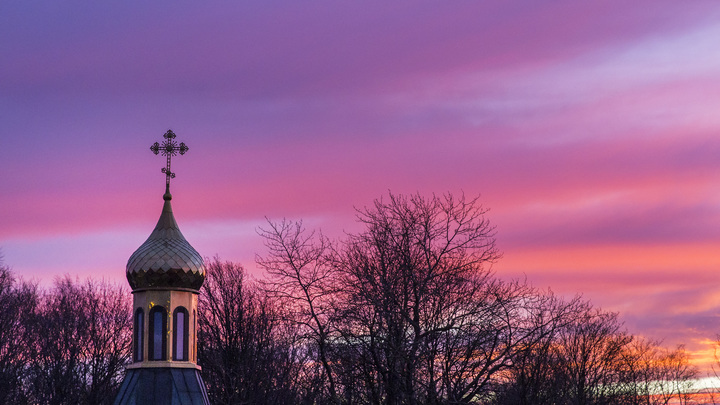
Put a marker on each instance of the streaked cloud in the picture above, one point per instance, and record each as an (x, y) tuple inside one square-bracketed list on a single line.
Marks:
[(589, 129)]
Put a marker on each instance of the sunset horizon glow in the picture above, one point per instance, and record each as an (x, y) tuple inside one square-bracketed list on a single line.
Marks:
[(589, 130)]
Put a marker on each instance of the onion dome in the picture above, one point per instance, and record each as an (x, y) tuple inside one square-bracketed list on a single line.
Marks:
[(166, 259)]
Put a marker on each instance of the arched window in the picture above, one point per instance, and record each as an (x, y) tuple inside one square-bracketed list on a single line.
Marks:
[(157, 342), (181, 327), (139, 333)]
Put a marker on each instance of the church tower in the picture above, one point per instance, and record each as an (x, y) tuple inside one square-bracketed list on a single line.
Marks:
[(165, 274)]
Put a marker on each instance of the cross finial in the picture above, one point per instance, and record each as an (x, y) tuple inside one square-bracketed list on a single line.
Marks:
[(168, 148)]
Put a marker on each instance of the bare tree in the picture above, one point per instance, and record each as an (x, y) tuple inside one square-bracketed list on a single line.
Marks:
[(420, 296), (713, 394), (302, 278), (532, 378), (109, 336), (81, 343), (654, 375), (407, 311), (589, 353), (593, 360), (674, 376), (245, 349), (421, 318), (18, 303)]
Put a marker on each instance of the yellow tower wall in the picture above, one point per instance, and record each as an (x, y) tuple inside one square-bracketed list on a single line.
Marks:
[(170, 299)]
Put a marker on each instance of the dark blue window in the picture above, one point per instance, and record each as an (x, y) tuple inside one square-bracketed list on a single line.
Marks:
[(157, 342), (139, 333), (181, 328)]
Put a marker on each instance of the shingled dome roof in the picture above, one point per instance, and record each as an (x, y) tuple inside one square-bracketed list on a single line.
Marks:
[(166, 259)]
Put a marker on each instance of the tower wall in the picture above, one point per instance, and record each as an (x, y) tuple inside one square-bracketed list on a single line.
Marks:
[(170, 300)]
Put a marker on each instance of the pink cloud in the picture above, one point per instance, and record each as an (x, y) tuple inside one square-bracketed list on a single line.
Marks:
[(589, 129)]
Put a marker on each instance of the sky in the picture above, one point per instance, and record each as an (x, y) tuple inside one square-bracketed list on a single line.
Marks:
[(590, 130)]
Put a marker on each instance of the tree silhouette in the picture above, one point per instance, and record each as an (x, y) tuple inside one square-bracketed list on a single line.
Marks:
[(244, 347)]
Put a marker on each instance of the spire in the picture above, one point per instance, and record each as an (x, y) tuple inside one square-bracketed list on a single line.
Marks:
[(166, 259)]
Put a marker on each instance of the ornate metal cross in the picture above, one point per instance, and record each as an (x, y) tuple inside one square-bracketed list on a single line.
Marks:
[(169, 148)]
